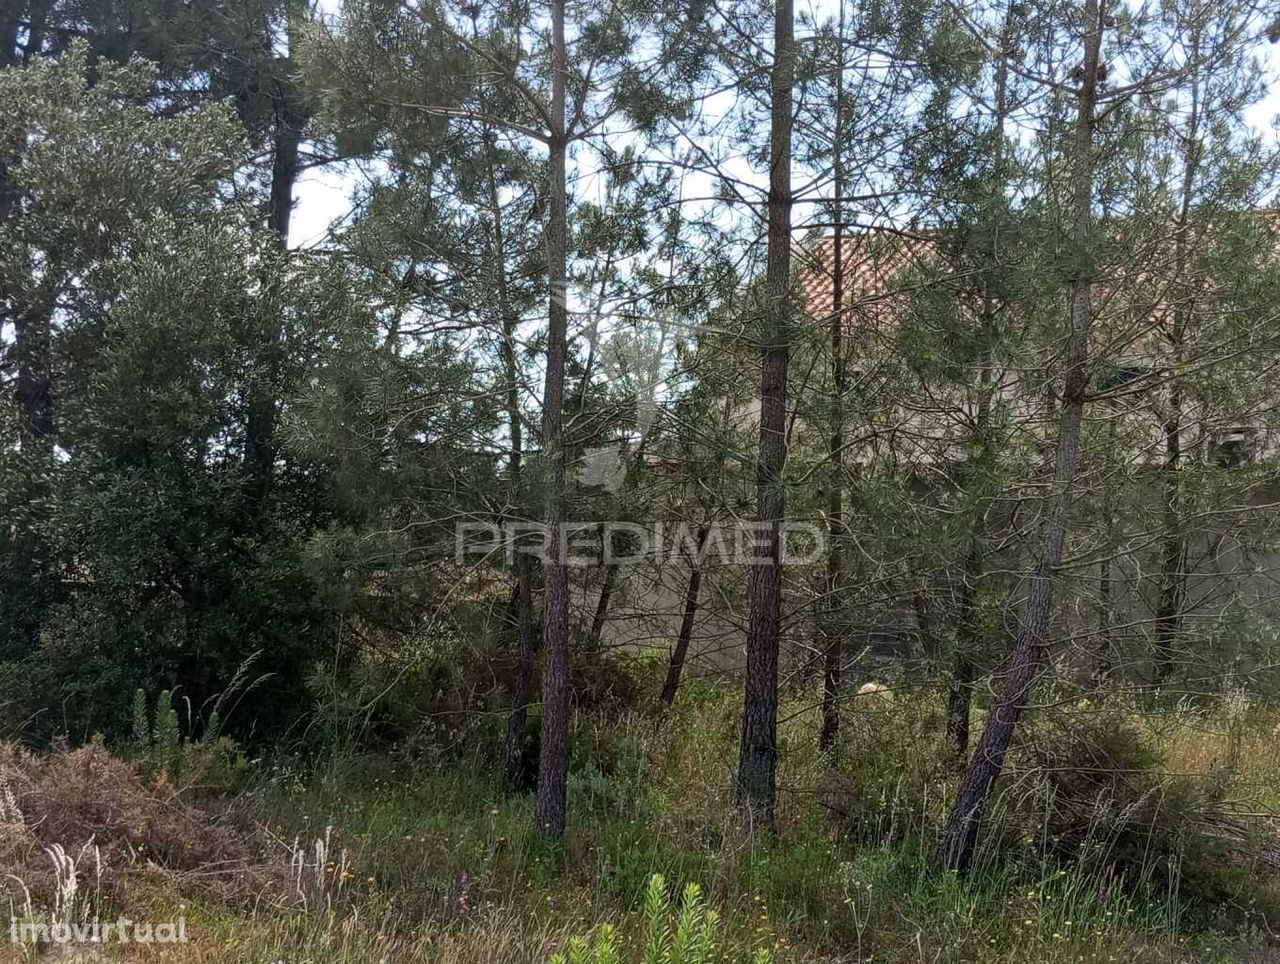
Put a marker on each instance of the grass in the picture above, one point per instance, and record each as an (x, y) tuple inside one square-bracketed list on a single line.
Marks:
[(441, 867)]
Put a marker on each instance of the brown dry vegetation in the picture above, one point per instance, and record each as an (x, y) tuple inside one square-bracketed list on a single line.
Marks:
[(130, 840)]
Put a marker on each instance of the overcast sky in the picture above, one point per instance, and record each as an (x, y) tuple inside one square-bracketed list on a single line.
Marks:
[(323, 195)]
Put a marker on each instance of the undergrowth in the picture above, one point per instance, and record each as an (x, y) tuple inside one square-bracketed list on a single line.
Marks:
[(1104, 845)]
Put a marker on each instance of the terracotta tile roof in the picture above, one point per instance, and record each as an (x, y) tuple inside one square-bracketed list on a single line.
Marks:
[(872, 260)]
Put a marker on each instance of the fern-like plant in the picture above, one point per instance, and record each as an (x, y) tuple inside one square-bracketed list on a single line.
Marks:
[(143, 736), (167, 733), (168, 736), (683, 934), (212, 727)]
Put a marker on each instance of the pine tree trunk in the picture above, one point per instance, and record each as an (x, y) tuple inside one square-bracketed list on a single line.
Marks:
[(675, 667), (10, 24), (607, 586), (959, 703), (960, 694), (520, 625), (553, 763), (1168, 620), (31, 314), (960, 834), (758, 753), (522, 632), (31, 579), (1173, 578), (37, 29), (833, 657), (32, 28), (1104, 658), (963, 674), (263, 405), (1104, 661)]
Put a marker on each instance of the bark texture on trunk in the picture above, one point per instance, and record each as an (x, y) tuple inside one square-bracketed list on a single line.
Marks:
[(675, 667), (263, 404), (833, 628), (521, 630), (553, 761), (607, 586), (520, 625), (959, 702), (758, 752), (960, 834)]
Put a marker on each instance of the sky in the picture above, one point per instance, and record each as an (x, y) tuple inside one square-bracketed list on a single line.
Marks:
[(323, 195)]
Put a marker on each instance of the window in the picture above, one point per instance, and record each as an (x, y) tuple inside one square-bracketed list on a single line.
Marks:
[(1233, 446)]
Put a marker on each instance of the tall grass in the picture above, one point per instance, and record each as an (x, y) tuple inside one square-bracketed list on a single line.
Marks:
[(395, 861), (850, 872)]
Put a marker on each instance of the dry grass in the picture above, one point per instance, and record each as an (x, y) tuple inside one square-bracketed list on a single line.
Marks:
[(125, 839), (320, 939)]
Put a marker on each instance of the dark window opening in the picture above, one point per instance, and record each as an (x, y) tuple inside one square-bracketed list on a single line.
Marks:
[(1233, 446)]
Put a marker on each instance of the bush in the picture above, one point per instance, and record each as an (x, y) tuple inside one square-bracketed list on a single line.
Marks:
[(603, 683), (427, 701), (1098, 794)]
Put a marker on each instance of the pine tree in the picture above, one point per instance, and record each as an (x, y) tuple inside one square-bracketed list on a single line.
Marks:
[(758, 754)]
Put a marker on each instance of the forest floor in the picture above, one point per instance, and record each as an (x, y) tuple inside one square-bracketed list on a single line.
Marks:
[(1120, 835)]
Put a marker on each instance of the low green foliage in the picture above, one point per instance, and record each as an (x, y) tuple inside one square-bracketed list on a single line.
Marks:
[(211, 761), (686, 933), (442, 846)]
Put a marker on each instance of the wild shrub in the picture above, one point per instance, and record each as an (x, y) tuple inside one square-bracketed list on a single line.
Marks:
[(603, 683), (1093, 790), (609, 767), (426, 702), (883, 780), (89, 802)]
